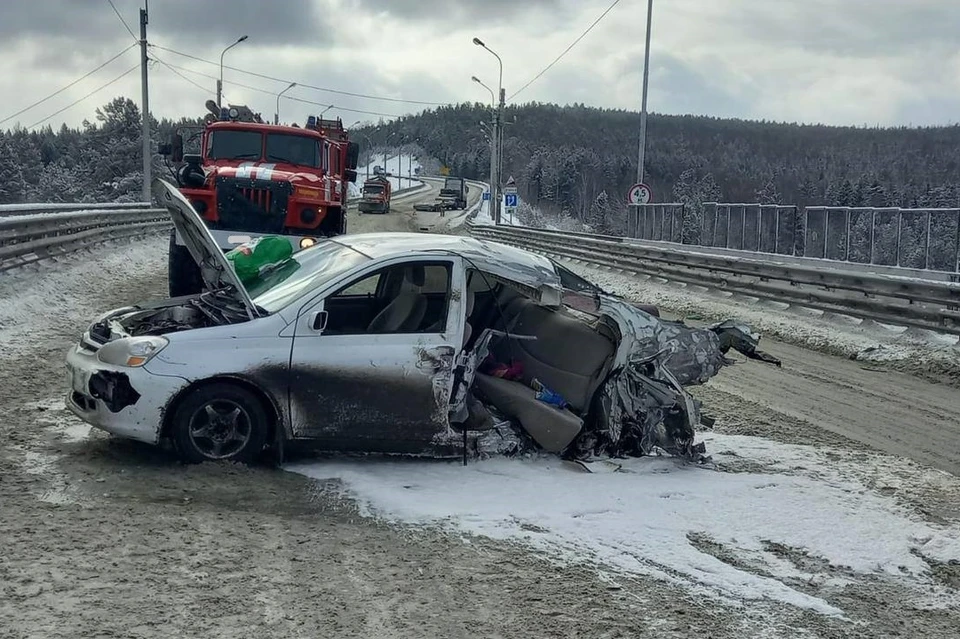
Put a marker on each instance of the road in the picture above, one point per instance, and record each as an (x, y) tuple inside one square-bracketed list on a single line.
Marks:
[(105, 537)]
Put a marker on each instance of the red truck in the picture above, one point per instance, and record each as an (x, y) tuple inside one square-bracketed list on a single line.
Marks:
[(252, 178), (376, 195)]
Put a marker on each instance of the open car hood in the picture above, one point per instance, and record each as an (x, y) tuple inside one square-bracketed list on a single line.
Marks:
[(215, 269)]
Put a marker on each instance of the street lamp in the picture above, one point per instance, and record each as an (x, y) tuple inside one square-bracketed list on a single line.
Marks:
[(220, 80), (493, 99), (276, 117), (497, 118), (643, 100), (325, 110)]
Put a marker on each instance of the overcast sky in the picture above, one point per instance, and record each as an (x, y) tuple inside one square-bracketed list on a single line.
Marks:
[(859, 62)]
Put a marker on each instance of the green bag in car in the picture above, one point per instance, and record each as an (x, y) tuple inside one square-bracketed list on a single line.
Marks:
[(251, 258)]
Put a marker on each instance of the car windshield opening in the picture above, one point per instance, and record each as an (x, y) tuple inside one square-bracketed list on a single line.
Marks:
[(235, 145), (293, 149), (310, 269)]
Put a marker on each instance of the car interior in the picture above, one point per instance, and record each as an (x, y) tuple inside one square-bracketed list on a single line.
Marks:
[(405, 298), (570, 353)]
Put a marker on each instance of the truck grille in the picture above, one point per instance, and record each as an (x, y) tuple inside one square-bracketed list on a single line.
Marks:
[(255, 206), (260, 197)]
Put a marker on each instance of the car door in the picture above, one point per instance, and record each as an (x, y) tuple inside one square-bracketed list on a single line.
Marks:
[(379, 379)]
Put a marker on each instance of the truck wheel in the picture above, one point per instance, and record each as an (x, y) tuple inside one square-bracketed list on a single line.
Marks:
[(221, 421), (183, 274)]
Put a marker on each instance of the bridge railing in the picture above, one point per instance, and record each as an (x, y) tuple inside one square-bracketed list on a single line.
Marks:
[(925, 239)]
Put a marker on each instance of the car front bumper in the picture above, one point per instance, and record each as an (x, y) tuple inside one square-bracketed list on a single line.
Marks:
[(128, 402)]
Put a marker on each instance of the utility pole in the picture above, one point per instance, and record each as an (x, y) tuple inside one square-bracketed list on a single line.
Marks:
[(145, 105), (643, 100)]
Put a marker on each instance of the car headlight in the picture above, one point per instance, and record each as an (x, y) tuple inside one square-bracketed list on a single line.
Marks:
[(132, 351), (307, 242)]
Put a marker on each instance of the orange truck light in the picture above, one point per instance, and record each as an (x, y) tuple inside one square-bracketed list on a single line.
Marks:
[(303, 191)]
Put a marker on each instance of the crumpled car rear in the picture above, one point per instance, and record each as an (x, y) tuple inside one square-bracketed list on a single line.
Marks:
[(641, 405)]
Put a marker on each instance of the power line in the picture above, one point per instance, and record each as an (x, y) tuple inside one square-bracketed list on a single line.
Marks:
[(301, 84), (567, 50), (97, 90), (174, 71), (59, 91), (129, 30), (274, 93)]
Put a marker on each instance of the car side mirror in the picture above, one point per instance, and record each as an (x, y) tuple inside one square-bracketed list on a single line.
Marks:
[(176, 148), (318, 321), (353, 155)]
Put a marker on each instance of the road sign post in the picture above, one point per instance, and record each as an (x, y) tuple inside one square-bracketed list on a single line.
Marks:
[(639, 194), (511, 199)]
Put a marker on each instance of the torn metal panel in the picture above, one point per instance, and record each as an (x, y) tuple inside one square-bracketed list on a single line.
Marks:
[(114, 389)]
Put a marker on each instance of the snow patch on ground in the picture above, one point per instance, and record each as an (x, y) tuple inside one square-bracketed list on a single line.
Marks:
[(657, 517), (483, 216), (53, 414), (865, 341), (39, 296)]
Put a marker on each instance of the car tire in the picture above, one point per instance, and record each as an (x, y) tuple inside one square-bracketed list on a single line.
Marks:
[(219, 422), (183, 274)]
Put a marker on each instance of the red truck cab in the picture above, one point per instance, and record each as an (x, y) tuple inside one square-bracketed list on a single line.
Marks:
[(252, 178), (375, 197)]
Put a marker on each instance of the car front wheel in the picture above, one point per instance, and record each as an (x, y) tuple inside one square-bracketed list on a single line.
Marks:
[(220, 421)]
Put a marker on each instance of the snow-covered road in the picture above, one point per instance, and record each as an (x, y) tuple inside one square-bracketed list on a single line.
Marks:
[(800, 530)]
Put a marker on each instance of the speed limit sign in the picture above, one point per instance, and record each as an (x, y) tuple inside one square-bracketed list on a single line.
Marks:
[(639, 194)]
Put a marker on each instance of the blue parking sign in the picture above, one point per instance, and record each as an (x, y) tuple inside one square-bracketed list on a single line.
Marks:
[(510, 199)]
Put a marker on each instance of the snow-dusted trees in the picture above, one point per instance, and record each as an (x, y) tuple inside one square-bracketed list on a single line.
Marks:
[(99, 162)]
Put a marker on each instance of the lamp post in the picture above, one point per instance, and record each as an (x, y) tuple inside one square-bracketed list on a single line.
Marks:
[(220, 80), (276, 117), (325, 110), (643, 99), (497, 118), (493, 99), (370, 142), (494, 155)]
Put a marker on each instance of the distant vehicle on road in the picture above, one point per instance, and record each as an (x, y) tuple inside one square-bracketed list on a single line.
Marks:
[(375, 197), (456, 189)]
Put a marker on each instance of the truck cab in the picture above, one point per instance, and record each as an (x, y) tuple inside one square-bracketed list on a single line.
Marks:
[(252, 178), (455, 189), (375, 197)]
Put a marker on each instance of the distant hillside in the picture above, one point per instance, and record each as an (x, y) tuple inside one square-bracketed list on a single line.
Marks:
[(564, 157)]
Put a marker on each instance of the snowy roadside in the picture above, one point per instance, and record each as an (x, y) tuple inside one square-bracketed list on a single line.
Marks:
[(42, 295), (930, 355), (775, 525)]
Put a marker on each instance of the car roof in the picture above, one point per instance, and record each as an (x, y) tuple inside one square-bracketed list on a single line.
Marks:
[(506, 261)]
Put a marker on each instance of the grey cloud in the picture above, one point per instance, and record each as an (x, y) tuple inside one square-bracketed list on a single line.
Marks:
[(198, 25), (461, 14), (848, 27)]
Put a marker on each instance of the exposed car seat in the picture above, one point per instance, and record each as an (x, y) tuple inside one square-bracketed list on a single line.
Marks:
[(569, 356), (405, 311)]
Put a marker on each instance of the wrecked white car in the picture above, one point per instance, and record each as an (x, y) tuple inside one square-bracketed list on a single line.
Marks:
[(394, 343)]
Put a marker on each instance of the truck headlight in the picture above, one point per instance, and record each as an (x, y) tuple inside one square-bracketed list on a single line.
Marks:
[(132, 351), (307, 242)]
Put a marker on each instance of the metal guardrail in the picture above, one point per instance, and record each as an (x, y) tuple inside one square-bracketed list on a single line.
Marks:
[(31, 237), (34, 232), (927, 304), (10, 210)]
